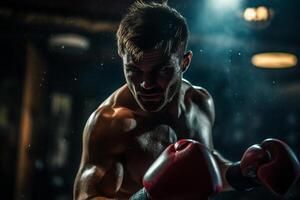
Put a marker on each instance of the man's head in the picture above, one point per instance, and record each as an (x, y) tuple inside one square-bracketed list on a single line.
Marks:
[(152, 40), (152, 25)]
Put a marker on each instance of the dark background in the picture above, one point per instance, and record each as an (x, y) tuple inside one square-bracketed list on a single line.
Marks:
[(251, 103)]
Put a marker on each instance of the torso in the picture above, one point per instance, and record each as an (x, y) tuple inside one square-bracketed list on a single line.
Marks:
[(147, 136)]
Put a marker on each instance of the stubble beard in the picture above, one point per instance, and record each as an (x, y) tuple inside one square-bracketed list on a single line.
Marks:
[(170, 93)]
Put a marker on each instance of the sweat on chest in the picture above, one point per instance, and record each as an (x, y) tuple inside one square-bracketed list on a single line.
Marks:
[(155, 140), (146, 147)]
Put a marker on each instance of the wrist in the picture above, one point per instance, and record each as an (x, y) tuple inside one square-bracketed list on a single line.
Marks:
[(238, 181), (142, 194)]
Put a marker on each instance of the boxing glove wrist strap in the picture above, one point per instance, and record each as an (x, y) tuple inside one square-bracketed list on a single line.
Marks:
[(238, 181), (142, 194)]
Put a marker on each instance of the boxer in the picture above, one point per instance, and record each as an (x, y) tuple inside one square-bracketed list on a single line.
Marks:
[(151, 138)]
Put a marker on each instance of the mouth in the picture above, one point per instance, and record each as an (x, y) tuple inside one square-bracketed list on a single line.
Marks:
[(151, 97)]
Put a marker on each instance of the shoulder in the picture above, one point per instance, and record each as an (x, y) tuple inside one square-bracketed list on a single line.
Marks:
[(98, 121), (202, 98), (96, 131), (106, 128)]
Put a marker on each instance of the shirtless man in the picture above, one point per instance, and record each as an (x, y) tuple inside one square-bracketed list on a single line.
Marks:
[(155, 109)]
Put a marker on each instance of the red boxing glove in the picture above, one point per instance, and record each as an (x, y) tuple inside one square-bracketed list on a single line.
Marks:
[(185, 170), (273, 163)]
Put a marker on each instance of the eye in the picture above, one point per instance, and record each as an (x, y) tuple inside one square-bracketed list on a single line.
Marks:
[(164, 70), (132, 69)]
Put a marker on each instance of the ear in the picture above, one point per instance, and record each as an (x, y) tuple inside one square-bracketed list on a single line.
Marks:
[(187, 58)]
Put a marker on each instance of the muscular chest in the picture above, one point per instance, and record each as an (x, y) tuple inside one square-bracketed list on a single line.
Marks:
[(154, 141), (146, 147), (149, 143)]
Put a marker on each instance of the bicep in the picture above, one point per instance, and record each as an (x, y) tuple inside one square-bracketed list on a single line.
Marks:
[(100, 173)]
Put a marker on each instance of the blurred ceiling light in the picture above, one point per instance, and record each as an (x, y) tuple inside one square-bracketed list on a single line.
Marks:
[(69, 42), (250, 14), (257, 14), (262, 13), (274, 60)]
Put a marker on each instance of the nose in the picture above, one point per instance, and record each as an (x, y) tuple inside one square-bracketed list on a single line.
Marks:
[(148, 82)]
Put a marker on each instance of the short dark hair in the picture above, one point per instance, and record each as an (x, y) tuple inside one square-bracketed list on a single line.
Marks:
[(150, 25)]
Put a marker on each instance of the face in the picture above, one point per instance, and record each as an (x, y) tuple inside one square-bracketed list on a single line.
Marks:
[(153, 80)]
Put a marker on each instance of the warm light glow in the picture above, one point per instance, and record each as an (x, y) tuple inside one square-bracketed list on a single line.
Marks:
[(274, 60), (257, 14), (69, 40), (262, 13), (250, 14)]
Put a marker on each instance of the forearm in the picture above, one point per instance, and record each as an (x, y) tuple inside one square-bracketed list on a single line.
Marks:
[(226, 185), (93, 182), (84, 195), (100, 198), (224, 165), (232, 178)]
